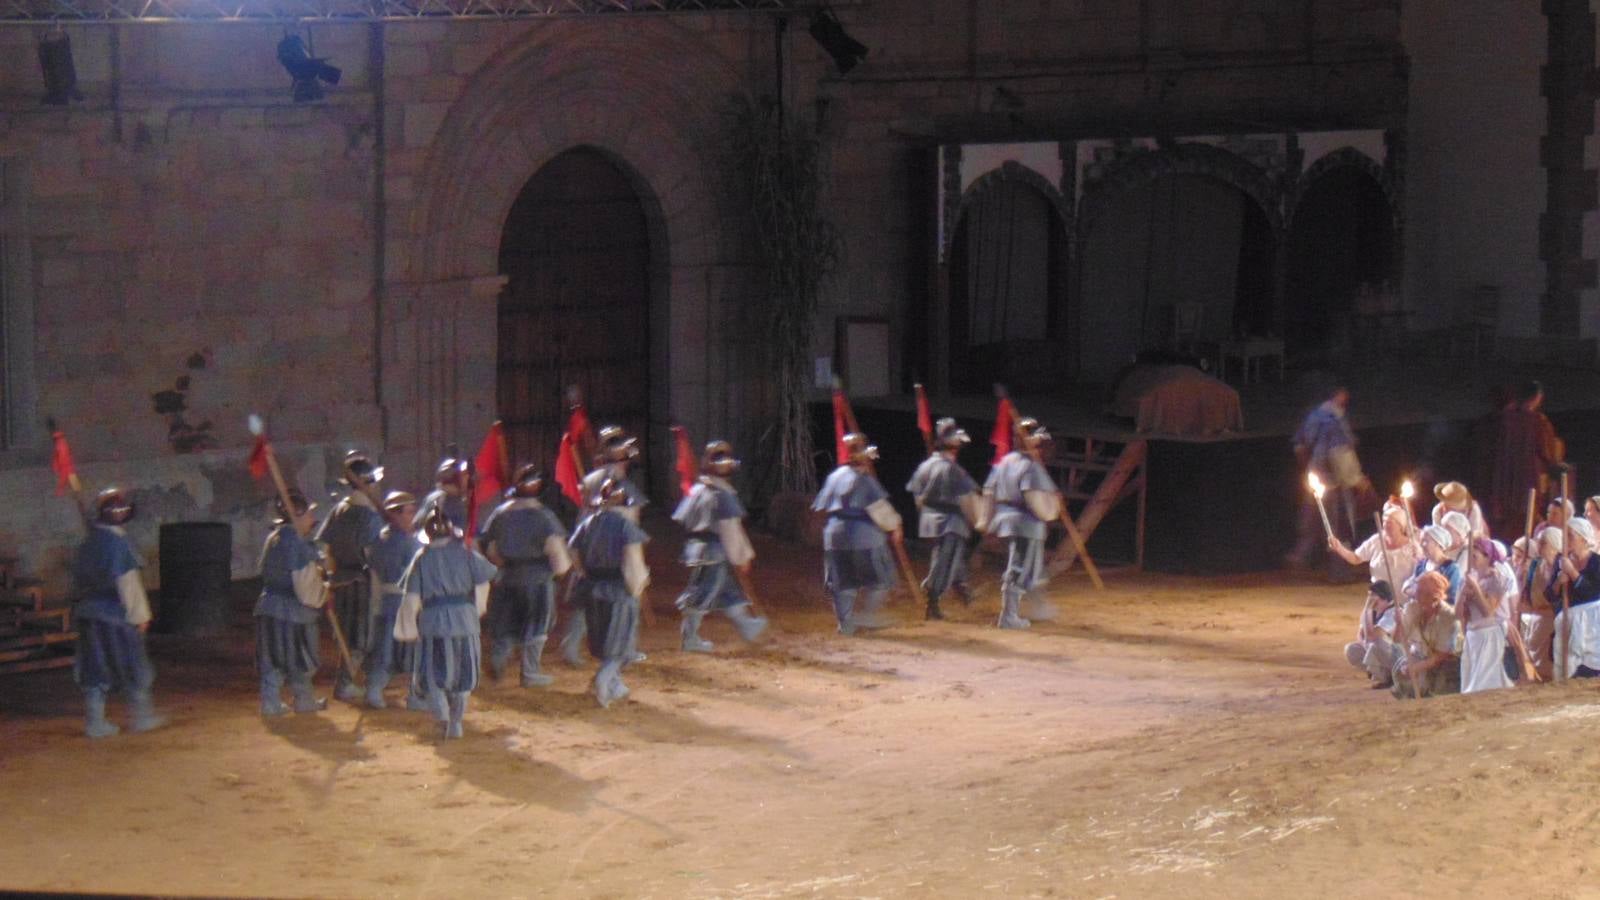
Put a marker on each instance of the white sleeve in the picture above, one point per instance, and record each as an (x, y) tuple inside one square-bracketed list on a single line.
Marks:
[(634, 572), (1368, 550), (735, 542), (130, 590), (883, 515), (405, 621), (555, 550), (480, 595), (1044, 505), (308, 586)]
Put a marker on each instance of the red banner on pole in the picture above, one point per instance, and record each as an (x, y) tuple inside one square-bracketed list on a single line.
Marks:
[(61, 462), (568, 478), (1004, 418), (688, 469)]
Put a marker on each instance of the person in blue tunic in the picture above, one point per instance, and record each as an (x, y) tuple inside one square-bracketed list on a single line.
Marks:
[(347, 537), (1436, 543), (609, 550), (112, 615), (387, 561), (947, 504), (450, 479), (1025, 501), (292, 595), (527, 542), (855, 540), (714, 518), (445, 592), (617, 453)]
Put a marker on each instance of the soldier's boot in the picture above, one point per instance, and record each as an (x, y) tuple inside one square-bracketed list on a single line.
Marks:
[(607, 680), (416, 697), (572, 641), (532, 672), (377, 680), (844, 604), (1010, 600), (499, 656), (144, 717), (345, 687), (749, 625), (95, 724), (458, 710), (272, 694), (692, 641), (305, 701)]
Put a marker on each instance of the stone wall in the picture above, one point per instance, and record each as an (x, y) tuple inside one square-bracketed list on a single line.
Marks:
[(334, 265)]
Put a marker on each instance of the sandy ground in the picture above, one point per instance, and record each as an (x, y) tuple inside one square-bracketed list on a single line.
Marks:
[(1164, 738)]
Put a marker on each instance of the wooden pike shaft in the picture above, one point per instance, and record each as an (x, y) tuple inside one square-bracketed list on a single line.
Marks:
[(333, 620)]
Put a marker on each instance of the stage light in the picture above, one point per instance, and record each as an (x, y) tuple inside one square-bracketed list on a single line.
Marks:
[(60, 75), (845, 50), (307, 71)]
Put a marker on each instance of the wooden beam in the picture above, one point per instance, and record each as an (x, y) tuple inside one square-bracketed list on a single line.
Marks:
[(1129, 464)]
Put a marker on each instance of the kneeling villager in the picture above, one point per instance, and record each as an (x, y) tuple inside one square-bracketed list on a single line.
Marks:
[(1429, 664), (717, 544), (1437, 542), (529, 545), (347, 536), (387, 560), (855, 540), (112, 614), (1025, 500), (445, 592), (1488, 596), (1538, 616), (947, 504), (609, 550), (1579, 626), (292, 594), (1373, 649)]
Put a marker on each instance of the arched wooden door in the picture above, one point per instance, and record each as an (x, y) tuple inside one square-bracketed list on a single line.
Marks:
[(575, 308)]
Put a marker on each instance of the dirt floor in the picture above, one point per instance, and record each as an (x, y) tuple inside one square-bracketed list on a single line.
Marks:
[(1168, 737)]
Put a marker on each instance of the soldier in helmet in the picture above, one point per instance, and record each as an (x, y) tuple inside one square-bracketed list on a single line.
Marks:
[(112, 615), (349, 533), (609, 549), (292, 594), (616, 454), (529, 545), (714, 518), (855, 539), (947, 504), (445, 592), (1025, 501), (451, 478), (386, 562)]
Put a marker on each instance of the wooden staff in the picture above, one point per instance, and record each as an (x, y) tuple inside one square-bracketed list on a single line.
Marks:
[(897, 545), (288, 508), (1065, 515), (1565, 634)]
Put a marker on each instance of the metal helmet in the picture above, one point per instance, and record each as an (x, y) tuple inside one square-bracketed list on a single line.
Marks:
[(360, 471), (1031, 435), (528, 482), (858, 451), (947, 435), (297, 501), (718, 460), (452, 471), (611, 493), (112, 506), (617, 445), (394, 501), (438, 524)]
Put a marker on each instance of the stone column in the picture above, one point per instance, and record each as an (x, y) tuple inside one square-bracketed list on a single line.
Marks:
[(1569, 87)]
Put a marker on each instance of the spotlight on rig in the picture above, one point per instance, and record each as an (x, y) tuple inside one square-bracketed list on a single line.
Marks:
[(60, 75), (845, 50), (307, 71)]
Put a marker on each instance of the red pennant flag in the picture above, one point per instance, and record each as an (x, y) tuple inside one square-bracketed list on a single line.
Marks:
[(258, 458), (578, 426), (1001, 436), (568, 478), (61, 461), (688, 470), (924, 416), (841, 414), (490, 475)]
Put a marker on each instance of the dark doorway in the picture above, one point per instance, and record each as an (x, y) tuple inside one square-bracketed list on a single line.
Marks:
[(1178, 263), (575, 308), (1007, 277), (1342, 238)]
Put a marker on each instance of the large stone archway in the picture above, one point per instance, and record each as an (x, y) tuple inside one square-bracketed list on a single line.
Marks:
[(592, 84)]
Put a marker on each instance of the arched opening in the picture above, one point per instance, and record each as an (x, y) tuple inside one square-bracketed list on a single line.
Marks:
[(1007, 284), (1177, 263), (1342, 239), (575, 310)]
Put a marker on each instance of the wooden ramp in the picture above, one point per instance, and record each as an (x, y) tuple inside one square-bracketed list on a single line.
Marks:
[(1097, 475), (34, 634)]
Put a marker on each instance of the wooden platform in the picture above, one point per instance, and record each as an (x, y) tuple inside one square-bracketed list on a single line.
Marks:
[(34, 634)]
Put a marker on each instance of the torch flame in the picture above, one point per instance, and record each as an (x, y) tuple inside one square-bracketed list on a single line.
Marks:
[(1316, 485), (1406, 490)]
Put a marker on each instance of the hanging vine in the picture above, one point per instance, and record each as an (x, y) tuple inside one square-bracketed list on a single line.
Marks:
[(782, 172)]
